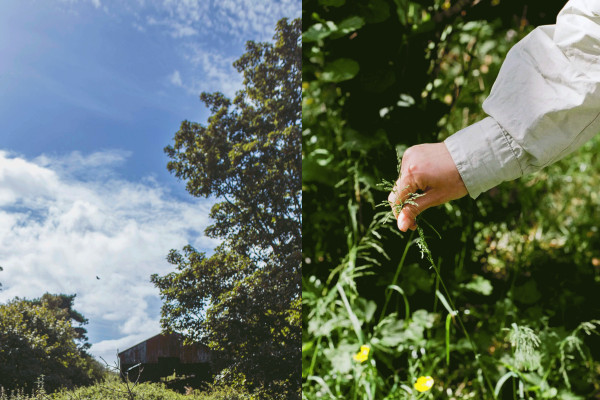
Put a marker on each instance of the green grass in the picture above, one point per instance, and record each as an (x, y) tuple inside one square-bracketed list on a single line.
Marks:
[(480, 356), (114, 389)]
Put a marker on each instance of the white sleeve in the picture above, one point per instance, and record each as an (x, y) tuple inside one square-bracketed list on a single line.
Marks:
[(544, 104)]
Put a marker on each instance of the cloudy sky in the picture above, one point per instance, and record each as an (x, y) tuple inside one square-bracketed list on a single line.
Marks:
[(91, 91)]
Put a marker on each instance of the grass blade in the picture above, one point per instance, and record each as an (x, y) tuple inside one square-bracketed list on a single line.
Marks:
[(448, 321)]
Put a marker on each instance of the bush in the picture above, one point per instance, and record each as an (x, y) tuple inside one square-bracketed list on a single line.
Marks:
[(40, 337)]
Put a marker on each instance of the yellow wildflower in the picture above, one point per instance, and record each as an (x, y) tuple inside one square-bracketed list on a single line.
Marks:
[(305, 85), (363, 354), (424, 383)]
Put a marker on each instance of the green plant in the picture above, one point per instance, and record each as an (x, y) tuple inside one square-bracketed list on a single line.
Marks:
[(378, 78), (244, 300)]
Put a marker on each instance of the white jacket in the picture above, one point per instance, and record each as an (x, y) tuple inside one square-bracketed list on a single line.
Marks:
[(544, 104)]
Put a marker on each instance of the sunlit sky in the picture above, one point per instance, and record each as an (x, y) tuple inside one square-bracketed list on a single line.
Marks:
[(90, 94)]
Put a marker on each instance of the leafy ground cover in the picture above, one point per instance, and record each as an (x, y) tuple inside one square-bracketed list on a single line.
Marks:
[(491, 299), (114, 389)]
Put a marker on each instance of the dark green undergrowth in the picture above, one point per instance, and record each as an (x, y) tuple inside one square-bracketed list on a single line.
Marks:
[(495, 298)]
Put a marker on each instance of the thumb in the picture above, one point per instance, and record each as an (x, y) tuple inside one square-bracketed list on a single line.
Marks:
[(408, 215)]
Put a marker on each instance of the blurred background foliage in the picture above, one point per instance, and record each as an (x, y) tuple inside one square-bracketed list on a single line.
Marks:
[(522, 262)]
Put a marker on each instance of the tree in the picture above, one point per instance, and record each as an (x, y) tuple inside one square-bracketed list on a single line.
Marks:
[(62, 306), (245, 299), (38, 337)]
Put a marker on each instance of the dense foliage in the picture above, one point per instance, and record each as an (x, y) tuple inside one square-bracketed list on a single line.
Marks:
[(504, 304), (112, 388), (244, 300), (44, 337)]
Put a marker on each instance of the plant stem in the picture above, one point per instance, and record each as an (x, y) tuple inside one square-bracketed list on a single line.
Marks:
[(427, 252), (388, 294), (314, 357)]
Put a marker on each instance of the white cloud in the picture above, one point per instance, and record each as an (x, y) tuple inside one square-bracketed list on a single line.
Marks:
[(96, 3), (215, 72), (209, 33), (212, 72), (241, 19), (179, 30), (58, 233), (175, 28), (175, 79), (213, 33), (94, 166), (107, 349)]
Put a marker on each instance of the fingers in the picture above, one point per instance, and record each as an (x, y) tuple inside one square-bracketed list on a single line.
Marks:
[(407, 218), (398, 195), (408, 183), (405, 223), (429, 169)]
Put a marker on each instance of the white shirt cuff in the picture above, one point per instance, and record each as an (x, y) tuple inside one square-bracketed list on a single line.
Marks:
[(484, 155)]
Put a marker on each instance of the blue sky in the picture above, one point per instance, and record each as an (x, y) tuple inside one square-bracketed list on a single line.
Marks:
[(91, 91)]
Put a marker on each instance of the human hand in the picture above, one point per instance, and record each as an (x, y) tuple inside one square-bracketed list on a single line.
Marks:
[(428, 169)]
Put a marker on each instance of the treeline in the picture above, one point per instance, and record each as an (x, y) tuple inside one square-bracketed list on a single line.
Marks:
[(45, 337)]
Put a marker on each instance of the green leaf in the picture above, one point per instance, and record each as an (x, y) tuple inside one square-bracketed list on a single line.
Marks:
[(370, 309), (415, 278), (502, 380), (319, 328), (315, 33), (479, 285), (341, 357), (406, 304), (348, 25), (313, 171), (375, 11), (401, 10), (423, 318), (528, 293), (342, 69), (355, 141), (391, 332), (445, 303)]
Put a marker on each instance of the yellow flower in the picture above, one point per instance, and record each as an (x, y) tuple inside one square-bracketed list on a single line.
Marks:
[(424, 383), (363, 354), (305, 85)]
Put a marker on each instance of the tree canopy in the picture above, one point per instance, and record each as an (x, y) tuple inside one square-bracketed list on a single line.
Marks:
[(44, 337), (244, 300)]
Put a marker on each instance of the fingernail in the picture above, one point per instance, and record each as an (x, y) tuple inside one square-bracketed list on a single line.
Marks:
[(402, 223)]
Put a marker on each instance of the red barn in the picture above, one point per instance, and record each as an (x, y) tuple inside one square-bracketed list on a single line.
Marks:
[(162, 355)]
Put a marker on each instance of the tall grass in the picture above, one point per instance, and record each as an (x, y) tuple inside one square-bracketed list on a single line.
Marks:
[(357, 348), (113, 388)]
